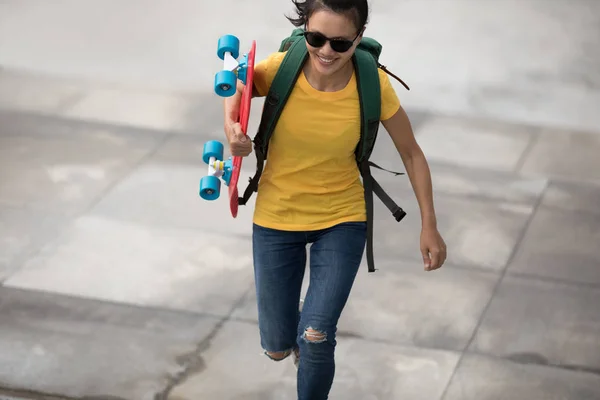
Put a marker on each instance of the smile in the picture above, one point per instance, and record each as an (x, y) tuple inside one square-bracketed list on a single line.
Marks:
[(326, 60)]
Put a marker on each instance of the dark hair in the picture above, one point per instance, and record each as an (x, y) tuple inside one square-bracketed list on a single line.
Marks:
[(356, 10)]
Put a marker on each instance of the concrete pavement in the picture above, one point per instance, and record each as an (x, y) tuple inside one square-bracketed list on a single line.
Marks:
[(119, 282)]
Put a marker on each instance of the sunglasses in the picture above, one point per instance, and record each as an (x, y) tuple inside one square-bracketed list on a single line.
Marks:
[(317, 39)]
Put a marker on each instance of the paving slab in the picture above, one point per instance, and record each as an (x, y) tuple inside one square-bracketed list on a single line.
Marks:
[(542, 322), (167, 196), (364, 370), (63, 170), (573, 196), (483, 378), (22, 232), (478, 233), (31, 92), (164, 191), (402, 304), (125, 262), (474, 143), (560, 244), (162, 111), (565, 154), (485, 184), (459, 181), (76, 347)]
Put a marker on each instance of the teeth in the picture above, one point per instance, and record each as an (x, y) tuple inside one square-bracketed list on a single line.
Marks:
[(325, 60)]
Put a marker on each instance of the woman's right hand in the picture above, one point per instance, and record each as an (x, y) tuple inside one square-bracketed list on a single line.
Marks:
[(239, 143)]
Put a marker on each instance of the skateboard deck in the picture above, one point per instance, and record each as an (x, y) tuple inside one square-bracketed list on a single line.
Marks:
[(225, 86), (244, 116)]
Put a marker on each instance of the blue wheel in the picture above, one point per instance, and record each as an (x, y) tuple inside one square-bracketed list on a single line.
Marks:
[(210, 187), (214, 149), (228, 43), (225, 83)]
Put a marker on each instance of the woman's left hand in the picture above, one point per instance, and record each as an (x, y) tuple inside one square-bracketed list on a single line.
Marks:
[(433, 249)]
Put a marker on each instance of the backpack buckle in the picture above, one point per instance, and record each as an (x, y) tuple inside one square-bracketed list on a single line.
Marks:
[(399, 214), (273, 99)]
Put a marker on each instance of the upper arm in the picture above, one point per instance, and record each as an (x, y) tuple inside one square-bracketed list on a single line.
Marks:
[(394, 118), (400, 130)]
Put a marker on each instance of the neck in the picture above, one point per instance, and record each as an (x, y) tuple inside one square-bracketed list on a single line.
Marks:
[(331, 83)]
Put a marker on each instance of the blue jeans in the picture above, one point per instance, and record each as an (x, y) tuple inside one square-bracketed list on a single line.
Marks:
[(279, 266)]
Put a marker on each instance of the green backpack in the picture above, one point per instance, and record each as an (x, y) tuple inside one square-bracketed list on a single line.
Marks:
[(366, 63)]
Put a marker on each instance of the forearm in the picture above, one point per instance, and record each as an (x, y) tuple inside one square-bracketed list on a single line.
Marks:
[(419, 174), (232, 108)]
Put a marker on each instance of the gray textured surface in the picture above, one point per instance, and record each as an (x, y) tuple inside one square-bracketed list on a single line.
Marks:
[(481, 378), (572, 155), (561, 244), (543, 322), (77, 347), (149, 266), (365, 370)]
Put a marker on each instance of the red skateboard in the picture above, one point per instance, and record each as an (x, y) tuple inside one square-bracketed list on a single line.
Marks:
[(226, 86)]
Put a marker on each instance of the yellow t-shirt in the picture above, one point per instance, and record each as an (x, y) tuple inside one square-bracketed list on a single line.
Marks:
[(311, 180)]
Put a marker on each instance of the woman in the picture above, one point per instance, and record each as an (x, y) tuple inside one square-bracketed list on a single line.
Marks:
[(311, 192)]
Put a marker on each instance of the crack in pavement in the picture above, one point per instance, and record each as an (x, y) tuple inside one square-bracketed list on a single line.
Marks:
[(193, 362)]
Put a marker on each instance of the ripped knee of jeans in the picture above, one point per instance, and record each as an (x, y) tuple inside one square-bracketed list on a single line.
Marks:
[(314, 336)]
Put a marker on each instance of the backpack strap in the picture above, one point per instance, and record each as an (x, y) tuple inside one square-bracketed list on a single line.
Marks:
[(369, 89), (279, 92)]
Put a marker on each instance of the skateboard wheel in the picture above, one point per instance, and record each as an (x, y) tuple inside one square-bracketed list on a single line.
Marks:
[(228, 44), (210, 187), (214, 149), (225, 83)]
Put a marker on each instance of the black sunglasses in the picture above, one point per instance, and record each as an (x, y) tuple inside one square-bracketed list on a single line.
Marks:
[(317, 39)]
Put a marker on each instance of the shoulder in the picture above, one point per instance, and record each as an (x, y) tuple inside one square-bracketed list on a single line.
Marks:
[(273, 60), (384, 80), (265, 71), (390, 103)]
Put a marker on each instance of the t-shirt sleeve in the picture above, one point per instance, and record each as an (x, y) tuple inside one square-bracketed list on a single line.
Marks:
[(265, 71), (390, 103)]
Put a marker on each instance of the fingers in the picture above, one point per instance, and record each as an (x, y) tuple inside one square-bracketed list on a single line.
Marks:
[(426, 259), (434, 258), (239, 143)]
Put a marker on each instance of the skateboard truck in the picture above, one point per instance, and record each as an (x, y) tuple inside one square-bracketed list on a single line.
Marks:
[(225, 80), (210, 185)]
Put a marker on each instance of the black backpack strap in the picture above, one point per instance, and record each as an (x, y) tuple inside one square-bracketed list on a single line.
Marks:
[(394, 208), (372, 164), (279, 92), (372, 186), (369, 90), (365, 172), (253, 182), (370, 105)]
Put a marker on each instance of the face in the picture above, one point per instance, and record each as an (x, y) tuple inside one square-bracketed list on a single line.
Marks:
[(325, 59)]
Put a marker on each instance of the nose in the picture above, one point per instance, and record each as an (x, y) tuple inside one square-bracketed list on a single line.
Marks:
[(327, 51)]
